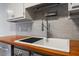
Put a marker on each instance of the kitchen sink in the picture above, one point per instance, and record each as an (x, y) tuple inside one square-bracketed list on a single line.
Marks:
[(31, 40), (51, 43)]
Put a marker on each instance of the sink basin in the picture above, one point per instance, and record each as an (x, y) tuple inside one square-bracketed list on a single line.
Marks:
[(31, 40), (52, 43)]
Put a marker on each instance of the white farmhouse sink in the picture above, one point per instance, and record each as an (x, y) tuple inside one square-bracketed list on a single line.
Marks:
[(52, 43)]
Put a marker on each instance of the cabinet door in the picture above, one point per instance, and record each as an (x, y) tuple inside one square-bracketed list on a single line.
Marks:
[(10, 11), (73, 6), (19, 10), (15, 10), (5, 49)]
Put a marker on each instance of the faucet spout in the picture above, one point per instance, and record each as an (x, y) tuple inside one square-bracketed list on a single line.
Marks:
[(47, 28)]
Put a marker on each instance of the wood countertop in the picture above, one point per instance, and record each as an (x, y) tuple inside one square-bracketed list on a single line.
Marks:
[(74, 46)]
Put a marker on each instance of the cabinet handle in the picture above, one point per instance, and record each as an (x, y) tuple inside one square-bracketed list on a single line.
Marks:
[(3, 48)]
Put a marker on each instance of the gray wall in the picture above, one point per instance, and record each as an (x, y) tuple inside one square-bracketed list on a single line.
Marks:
[(34, 31), (5, 27)]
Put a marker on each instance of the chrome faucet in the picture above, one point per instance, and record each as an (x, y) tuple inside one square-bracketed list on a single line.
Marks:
[(47, 26)]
